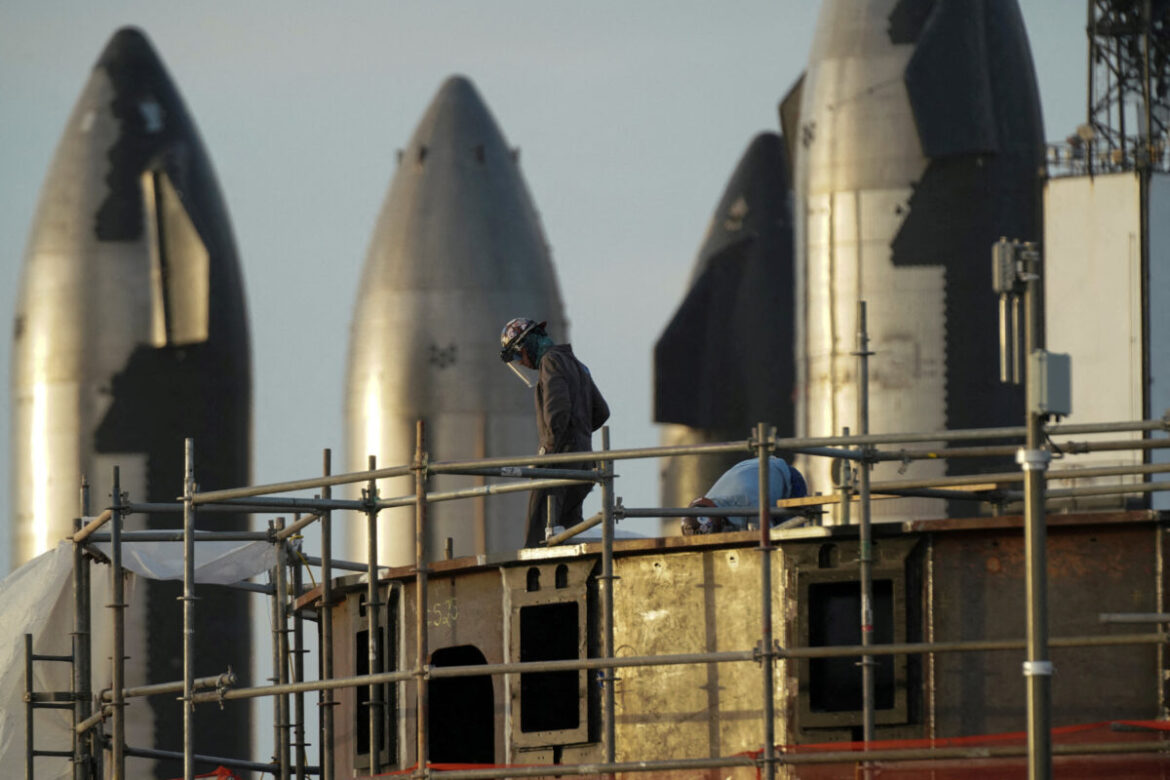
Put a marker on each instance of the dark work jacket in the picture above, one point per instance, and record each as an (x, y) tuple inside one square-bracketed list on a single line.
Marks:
[(569, 407)]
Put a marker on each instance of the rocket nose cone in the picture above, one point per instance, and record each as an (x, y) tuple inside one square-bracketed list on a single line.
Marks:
[(766, 146), (458, 97), (458, 84), (129, 47), (458, 119), (765, 140)]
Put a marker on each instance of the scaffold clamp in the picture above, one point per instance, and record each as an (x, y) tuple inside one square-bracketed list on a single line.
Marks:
[(1033, 460), (1038, 668)]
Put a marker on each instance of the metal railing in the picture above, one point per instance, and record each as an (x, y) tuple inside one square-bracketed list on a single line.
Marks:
[(92, 748)]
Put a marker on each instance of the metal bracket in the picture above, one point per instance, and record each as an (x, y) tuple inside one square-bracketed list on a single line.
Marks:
[(1033, 460), (424, 465), (842, 473), (1038, 668), (906, 461), (758, 654), (769, 440)]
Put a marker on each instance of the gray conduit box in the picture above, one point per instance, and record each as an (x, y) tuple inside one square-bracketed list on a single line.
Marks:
[(1049, 383)]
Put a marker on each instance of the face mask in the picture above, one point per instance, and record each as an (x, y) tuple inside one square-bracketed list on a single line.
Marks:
[(521, 375)]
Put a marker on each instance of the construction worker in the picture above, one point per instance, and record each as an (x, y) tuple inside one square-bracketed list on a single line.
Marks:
[(739, 486), (569, 408)]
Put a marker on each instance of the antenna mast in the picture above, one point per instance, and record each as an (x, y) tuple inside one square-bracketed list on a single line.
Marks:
[(1129, 81)]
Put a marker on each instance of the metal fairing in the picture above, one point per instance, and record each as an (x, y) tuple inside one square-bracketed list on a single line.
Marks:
[(458, 250), (724, 362), (920, 144), (131, 335)]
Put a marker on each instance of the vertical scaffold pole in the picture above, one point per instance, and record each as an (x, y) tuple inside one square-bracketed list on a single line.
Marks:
[(607, 578), (765, 439), (298, 676), (118, 668), (1034, 461), (189, 611), (865, 542), (325, 617), (81, 646), (374, 710), (422, 710), (29, 709), (280, 646), (845, 485), (274, 676)]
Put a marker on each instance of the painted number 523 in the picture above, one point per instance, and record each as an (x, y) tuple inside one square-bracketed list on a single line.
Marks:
[(444, 613)]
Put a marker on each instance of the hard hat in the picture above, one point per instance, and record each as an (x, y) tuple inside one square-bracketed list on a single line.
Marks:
[(512, 336)]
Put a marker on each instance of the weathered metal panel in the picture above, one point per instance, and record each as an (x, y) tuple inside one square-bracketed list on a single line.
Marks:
[(831, 562), (952, 580), (466, 609), (979, 594), (692, 602), (345, 628)]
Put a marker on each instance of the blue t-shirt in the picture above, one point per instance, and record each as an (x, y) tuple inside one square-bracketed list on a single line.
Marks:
[(739, 486)]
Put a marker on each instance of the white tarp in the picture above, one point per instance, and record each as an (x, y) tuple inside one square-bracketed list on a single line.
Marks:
[(37, 599), (218, 563)]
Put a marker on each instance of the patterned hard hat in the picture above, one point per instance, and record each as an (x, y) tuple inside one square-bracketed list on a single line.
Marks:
[(512, 336)]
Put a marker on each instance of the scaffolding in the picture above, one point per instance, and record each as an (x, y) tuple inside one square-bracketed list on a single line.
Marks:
[(96, 753)]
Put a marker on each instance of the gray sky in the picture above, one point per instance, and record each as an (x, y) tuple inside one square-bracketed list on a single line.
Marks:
[(630, 117)]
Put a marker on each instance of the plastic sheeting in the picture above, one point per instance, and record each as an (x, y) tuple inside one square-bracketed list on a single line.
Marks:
[(217, 563), (37, 599)]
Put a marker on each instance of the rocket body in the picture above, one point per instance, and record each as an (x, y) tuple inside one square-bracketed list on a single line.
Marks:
[(918, 142), (131, 335), (457, 251), (725, 360)]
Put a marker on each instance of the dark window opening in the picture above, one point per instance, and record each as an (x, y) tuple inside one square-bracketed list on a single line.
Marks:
[(562, 576), (834, 611), (387, 694), (533, 579), (462, 720), (362, 649), (827, 556), (549, 701)]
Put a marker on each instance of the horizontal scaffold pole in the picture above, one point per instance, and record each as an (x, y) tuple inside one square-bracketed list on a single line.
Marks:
[(675, 660)]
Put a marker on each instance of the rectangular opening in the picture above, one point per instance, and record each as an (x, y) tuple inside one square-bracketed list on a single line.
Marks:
[(549, 701), (387, 648), (834, 618), (362, 723)]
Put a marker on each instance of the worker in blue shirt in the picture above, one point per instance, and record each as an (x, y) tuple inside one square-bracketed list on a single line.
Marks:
[(739, 486)]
